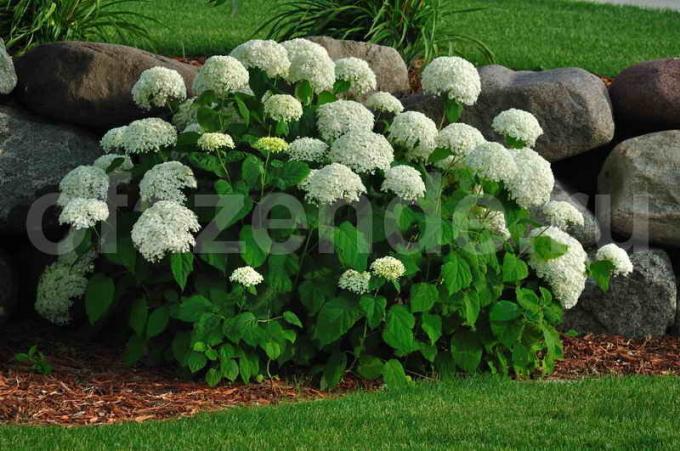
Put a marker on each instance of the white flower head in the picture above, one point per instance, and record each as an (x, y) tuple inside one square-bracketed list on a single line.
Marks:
[(358, 73), (193, 128), (405, 182), (165, 228), (221, 74), (310, 61), (246, 276), (519, 125), (495, 221), (212, 142), (362, 151), (166, 181), (308, 149), (337, 118), (186, 114), (112, 140), (157, 87), (454, 77), (88, 182), (388, 268), (283, 108), (460, 139), (82, 213), (63, 282), (384, 102), (354, 281), (492, 161), (533, 182), (562, 214), (332, 183), (148, 135), (266, 55), (416, 132), (617, 256), (105, 161), (566, 274)]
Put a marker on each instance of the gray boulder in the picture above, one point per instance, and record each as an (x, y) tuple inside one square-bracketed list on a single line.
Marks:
[(389, 67), (87, 83), (8, 282), (642, 176), (571, 105), (34, 156), (589, 233), (8, 76), (641, 304)]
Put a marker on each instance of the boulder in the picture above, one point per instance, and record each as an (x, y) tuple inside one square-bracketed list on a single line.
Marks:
[(571, 105), (589, 233), (642, 178), (87, 83), (389, 67), (34, 156), (8, 76), (8, 282), (648, 95), (641, 304)]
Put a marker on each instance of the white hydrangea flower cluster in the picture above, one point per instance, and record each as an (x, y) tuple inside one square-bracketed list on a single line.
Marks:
[(283, 108), (221, 74), (105, 161), (310, 61), (337, 118), (454, 77), (86, 182), (112, 141), (358, 73), (246, 276), (562, 214), (332, 183), (534, 183), (165, 181), (266, 55), (308, 149), (384, 102), (212, 142), (165, 228), (405, 182), (495, 221), (148, 135), (362, 151), (460, 139), (416, 132), (82, 213), (61, 284), (388, 268), (519, 125), (566, 274), (186, 114), (157, 87), (492, 161), (354, 281), (617, 256)]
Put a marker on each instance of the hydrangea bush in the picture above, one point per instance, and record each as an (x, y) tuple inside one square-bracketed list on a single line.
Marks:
[(280, 223)]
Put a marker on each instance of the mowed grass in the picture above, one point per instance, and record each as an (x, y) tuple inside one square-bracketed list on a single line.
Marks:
[(478, 413), (524, 34)]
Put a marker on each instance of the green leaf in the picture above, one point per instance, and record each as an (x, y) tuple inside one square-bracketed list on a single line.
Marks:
[(99, 296), (374, 309), (191, 309), (528, 300), (243, 110), (471, 308), (208, 119), (351, 246), (439, 154), (272, 349), (207, 163), (304, 92), (244, 326), (394, 375), (182, 265), (252, 171), (125, 254), (292, 318), (549, 249), (370, 367), (335, 318), (138, 315), (134, 350), (456, 274), (466, 350), (514, 269), (432, 326), (398, 331), (453, 110), (229, 369), (341, 86), (256, 246), (292, 173), (333, 370), (423, 297), (505, 311), (601, 272), (326, 97), (213, 377), (158, 321), (196, 361)]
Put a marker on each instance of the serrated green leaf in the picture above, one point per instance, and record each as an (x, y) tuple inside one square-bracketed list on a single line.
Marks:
[(514, 269), (423, 297), (351, 246), (158, 321), (370, 367), (549, 249), (505, 311), (213, 377), (432, 326), (182, 265), (333, 370), (99, 296), (398, 331), (196, 361), (292, 318), (601, 272), (335, 318), (456, 274), (252, 171), (374, 309), (138, 315), (394, 375), (256, 245)]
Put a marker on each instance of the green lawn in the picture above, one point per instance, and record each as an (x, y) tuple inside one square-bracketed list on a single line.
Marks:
[(630, 413), (524, 34)]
